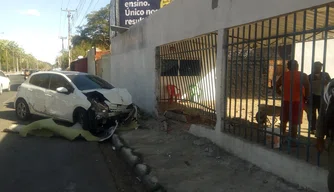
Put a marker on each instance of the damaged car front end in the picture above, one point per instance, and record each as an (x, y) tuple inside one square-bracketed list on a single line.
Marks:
[(106, 115)]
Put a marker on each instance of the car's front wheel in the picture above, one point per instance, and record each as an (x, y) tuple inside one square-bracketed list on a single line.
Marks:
[(22, 110), (81, 117)]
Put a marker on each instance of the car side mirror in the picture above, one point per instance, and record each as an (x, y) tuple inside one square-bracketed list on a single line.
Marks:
[(62, 90)]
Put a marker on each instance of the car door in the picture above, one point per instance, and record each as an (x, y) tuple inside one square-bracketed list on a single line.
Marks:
[(35, 92), (60, 105), (4, 81)]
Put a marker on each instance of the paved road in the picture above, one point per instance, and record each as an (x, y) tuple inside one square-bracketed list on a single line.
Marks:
[(34, 164)]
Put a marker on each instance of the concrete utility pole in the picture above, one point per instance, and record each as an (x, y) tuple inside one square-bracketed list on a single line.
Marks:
[(1, 33), (17, 65), (69, 15), (13, 60), (62, 43), (6, 60)]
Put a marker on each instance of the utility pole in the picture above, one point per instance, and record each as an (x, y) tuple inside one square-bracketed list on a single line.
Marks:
[(62, 50), (17, 64), (69, 15), (62, 43), (1, 33), (6, 60), (13, 61)]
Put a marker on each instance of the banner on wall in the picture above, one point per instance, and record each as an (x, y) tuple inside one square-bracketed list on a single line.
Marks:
[(133, 11)]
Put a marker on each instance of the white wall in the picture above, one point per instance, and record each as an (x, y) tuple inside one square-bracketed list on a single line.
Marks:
[(133, 52), (91, 61), (105, 65), (318, 55)]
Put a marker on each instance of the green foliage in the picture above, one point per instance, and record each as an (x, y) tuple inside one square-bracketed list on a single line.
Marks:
[(94, 34), (96, 31), (62, 60), (11, 53)]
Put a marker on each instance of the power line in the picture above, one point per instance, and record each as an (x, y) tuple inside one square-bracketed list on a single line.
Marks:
[(79, 9), (90, 4), (60, 16), (68, 4), (95, 4)]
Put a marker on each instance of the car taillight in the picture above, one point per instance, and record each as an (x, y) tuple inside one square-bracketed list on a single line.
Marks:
[(18, 88)]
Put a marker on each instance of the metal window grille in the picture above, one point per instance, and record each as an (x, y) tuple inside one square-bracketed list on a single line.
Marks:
[(256, 58), (187, 72)]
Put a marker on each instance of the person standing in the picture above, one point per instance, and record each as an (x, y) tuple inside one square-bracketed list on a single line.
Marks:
[(294, 82), (325, 128), (318, 80)]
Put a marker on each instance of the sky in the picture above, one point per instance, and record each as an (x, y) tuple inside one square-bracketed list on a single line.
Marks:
[(36, 25)]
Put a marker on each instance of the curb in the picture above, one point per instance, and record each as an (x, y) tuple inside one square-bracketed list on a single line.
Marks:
[(142, 171)]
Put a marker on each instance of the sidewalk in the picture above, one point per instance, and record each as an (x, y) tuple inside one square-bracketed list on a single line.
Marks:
[(183, 162)]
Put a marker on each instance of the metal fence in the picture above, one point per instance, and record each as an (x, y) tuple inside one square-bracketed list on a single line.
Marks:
[(187, 75), (256, 66)]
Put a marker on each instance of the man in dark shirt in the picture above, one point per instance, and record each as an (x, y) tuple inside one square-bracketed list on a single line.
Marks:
[(318, 81), (325, 127)]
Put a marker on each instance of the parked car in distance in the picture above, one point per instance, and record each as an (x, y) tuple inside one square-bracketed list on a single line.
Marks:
[(73, 97), (4, 82)]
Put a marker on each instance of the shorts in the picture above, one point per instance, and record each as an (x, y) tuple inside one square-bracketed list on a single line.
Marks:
[(296, 113)]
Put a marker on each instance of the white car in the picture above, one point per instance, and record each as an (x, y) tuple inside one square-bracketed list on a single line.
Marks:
[(4, 82), (74, 97)]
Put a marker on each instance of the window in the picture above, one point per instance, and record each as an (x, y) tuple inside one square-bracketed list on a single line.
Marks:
[(190, 68), (57, 81), (2, 74), (88, 82), (169, 68), (40, 80)]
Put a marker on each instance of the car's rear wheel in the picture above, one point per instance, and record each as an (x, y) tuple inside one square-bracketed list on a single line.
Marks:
[(81, 117), (22, 110)]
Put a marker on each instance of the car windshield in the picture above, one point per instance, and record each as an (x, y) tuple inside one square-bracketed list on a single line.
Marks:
[(87, 82)]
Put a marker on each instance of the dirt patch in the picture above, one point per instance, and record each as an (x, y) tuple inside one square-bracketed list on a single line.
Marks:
[(183, 162)]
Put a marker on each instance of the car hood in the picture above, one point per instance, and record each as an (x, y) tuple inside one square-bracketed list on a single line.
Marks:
[(118, 96)]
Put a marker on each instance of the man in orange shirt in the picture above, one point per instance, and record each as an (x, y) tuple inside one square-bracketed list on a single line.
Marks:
[(294, 82)]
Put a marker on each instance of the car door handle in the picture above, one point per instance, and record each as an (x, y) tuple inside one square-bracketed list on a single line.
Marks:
[(29, 89), (49, 95)]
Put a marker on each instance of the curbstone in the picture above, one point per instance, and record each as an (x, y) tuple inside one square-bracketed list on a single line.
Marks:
[(151, 183), (141, 170), (116, 142), (129, 157)]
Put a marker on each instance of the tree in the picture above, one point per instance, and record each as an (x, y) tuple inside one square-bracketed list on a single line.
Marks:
[(10, 53), (93, 34), (96, 31), (81, 50)]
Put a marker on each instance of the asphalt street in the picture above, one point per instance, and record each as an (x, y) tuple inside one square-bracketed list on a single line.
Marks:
[(34, 164)]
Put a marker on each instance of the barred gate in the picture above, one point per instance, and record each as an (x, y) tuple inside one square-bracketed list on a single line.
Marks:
[(188, 76), (257, 56)]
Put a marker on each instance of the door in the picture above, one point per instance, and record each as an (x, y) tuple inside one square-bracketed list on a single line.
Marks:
[(36, 92), (4, 81), (60, 105)]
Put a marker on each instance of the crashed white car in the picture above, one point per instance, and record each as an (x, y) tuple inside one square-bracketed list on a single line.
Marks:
[(74, 97)]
